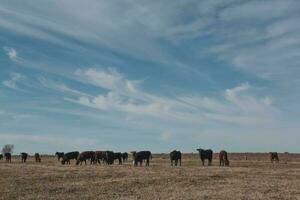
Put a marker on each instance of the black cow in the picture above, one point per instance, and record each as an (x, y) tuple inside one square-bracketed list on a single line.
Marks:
[(100, 156), (59, 155), (24, 156), (86, 155), (138, 157), (223, 158), (118, 156), (70, 156), (274, 157), (37, 157), (1, 156), (109, 157), (175, 156), (7, 157), (125, 156), (205, 154)]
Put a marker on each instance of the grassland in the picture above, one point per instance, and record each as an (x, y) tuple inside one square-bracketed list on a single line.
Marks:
[(255, 178)]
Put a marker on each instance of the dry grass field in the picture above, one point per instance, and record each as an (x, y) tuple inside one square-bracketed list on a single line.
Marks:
[(255, 178)]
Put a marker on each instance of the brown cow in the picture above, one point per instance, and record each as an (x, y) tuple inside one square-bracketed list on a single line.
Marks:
[(274, 157), (223, 158), (37, 157)]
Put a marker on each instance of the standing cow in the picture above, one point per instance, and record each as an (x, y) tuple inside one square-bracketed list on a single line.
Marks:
[(99, 156), (7, 157), (205, 154), (118, 156), (125, 156), (175, 156), (274, 157), (109, 157), (86, 155), (138, 157), (24, 156), (37, 157), (1, 156), (59, 155), (70, 156), (223, 158)]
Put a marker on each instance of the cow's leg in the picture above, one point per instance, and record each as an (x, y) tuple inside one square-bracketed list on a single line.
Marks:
[(202, 162)]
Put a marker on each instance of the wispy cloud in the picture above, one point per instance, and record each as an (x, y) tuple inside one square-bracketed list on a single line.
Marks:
[(14, 79), (11, 53)]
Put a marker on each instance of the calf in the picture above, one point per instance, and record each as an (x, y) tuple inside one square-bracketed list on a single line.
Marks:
[(7, 157), (175, 156), (37, 157), (223, 158), (138, 157), (86, 155), (59, 155), (70, 156), (205, 154), (125, 156), (24, 156), (274, 157)]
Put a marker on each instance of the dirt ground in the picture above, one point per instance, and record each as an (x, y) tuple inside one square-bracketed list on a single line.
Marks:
[(254, 178)]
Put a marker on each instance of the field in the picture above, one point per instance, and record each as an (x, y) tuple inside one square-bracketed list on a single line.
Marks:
[(254, 178)]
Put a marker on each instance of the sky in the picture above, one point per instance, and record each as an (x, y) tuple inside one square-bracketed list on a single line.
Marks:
[(150, 75)]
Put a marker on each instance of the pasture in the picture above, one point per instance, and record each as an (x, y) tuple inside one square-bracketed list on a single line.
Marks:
[(254, 178)]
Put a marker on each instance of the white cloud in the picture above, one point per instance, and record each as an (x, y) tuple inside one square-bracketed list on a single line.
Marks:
[(237, 105), (11, 53), (12, 82)]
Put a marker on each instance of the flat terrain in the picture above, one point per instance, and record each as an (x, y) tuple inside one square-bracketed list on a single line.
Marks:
[(254, 178)]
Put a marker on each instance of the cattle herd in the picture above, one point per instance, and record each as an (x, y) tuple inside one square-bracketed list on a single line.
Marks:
[(109, 157)]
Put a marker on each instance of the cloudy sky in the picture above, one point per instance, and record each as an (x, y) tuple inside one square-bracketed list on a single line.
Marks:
[(157, 75)]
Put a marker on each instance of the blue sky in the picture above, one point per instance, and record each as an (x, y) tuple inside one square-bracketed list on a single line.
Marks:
[(157, 75)]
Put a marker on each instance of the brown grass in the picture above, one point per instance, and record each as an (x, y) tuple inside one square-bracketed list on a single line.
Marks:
[(255, 178)]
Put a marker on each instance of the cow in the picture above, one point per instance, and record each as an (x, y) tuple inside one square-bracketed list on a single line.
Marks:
[(109, 157), (24, 156), (138, 157), (7, 157), (118, 156), (99, 156), (37, 157), (175, 156), (86, 155), (223, 158), (1, 156), (125, 156), (59, 155), (274, 156), (205, 154), (70, 156)]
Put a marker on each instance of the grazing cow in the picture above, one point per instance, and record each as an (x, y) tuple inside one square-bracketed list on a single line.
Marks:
[(70, 156), (99, 155), (109, 157), (118, 156), (175, 156), (1, 156), (223, 158), (274, 156), (59, 155), (86, 155), (125, 156), (37, 157), (7, 157), (205, 154), (24, 156), (138, 157)]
